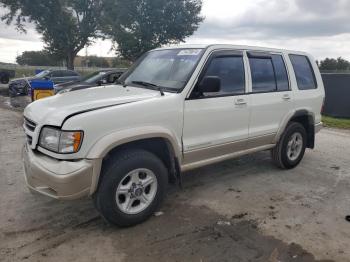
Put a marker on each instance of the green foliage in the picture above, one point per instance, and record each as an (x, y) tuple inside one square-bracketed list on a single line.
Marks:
[(338, 64), (95, 61), (138, 26), (336, 122), (38, 58), (121, 63), (66, 25)]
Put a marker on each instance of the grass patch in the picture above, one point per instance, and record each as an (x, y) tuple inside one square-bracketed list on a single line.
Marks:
[(336, 122)]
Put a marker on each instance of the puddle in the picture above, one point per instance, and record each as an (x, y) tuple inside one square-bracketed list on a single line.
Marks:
[(16, 103)]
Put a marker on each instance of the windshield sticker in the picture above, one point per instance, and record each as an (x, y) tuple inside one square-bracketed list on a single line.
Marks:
[(189, 52)]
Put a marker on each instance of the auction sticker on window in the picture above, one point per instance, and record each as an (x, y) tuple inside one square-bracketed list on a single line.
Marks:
[(190, 52)]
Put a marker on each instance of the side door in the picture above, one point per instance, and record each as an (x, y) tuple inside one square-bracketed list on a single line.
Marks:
[(271, 96), (216, 124)]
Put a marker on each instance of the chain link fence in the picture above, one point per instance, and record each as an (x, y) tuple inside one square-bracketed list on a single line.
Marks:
[(337, 88)]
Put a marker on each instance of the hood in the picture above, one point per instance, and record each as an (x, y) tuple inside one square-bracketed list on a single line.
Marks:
[(54, 110), (66, 84), (73, 86)]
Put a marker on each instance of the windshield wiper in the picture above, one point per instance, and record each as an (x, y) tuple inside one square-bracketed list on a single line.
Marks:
[(147, 84)]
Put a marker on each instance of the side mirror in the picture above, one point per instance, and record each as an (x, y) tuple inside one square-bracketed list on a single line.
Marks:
[(102, 82), (210, 84)]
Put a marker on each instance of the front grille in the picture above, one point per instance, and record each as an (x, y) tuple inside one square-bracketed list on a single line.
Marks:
[(29, 124), (29, 140)]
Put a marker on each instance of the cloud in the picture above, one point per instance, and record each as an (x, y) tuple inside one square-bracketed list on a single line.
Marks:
[(10, 32), (282, 19), (321, 27)]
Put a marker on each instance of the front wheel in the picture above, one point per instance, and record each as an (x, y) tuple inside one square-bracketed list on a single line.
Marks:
[(290, 150), (132, 188)]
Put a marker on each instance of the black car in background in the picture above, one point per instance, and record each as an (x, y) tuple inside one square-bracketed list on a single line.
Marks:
[(98, 78), (20, 86), (5, 75)]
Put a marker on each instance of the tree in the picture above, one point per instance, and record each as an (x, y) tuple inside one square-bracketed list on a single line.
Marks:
[(334, 64), (119, 62), (38, 58), (66, 26), (137, 26)]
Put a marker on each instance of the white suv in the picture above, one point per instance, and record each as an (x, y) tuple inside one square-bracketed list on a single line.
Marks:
[(176, 109)]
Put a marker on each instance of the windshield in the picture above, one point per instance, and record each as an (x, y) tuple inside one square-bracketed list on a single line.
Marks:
[(170, 69), (93, 78), (42, 73)]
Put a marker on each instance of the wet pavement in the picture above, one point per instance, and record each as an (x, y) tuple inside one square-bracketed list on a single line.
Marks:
[(244, 209), (14, 103)]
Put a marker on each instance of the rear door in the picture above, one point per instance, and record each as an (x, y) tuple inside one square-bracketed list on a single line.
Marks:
[(271, 96), (216, 124)]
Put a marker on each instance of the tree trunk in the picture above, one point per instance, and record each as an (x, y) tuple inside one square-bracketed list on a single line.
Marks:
[(70, 61)]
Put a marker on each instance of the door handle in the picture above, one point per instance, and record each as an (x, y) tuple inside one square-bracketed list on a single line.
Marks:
[(286, 97), (240, 101)]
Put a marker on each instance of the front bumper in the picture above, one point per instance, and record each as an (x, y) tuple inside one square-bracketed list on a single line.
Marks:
[(56, 178), (18, 89)]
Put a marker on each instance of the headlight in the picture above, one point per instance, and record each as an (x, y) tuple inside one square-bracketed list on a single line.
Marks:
[(19, 84), (59, 141)]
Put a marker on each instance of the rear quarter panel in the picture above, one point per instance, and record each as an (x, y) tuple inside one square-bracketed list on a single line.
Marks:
[(310, 100)]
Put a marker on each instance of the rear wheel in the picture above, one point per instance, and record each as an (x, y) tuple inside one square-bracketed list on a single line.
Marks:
[(290, 150), (132, 188)]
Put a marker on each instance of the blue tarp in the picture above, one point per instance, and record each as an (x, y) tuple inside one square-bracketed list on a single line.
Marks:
[(41, 84)]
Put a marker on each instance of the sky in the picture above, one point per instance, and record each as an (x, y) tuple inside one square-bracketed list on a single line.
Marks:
[(320, 27)]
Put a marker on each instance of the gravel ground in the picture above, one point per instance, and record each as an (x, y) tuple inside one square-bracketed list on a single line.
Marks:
[(239, 210)]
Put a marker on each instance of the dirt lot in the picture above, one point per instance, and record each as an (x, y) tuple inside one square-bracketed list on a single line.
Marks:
[(240, 210)]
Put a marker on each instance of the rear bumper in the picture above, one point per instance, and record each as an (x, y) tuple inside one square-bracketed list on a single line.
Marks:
[(318, 127), (55, 178)]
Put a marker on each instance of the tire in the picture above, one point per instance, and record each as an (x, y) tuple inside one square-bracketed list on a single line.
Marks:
[(283, 154), (127, 208), (12, 93), (26, 90), (5, 79)]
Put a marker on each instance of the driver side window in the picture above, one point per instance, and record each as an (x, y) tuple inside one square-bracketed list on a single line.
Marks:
[(230, 70), (57, 73)]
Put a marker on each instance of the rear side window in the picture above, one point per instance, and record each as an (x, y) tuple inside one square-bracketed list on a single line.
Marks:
[(230, 70), (69, 73), (263, 75), (57, 73), (281, 73), (303, 72), (269, 73)]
